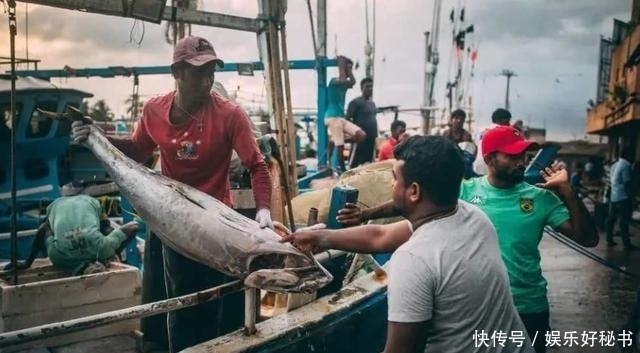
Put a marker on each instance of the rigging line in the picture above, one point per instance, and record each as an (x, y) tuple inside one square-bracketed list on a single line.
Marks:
[(578, 248), (313, 31)]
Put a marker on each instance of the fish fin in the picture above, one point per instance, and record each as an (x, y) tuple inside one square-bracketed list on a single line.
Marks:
[(186, 196), (72, 114)]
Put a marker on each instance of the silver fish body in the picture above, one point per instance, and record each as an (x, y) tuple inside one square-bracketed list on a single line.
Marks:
[(205, 230)]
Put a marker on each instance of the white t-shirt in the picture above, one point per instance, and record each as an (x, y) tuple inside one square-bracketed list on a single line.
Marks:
[(450, 273)]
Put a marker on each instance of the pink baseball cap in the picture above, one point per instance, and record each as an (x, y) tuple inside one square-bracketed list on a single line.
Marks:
[(196, 51)]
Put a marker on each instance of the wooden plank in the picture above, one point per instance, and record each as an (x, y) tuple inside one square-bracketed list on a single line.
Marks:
[(121, 343), (17, 321), (36, 350), (43, 270), (70, 291), (116, 8), (105, 7), (43, 302), (118, 328), (277, 199), (78, 325)]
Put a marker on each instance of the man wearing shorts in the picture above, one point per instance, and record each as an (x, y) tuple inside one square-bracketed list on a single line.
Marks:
[(337, 125)]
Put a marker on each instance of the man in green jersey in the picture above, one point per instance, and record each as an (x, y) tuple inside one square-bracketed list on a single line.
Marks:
[(73, 239), (519, 212)]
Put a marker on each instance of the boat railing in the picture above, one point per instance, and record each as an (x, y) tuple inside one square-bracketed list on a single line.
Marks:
[(22, 336), (21, 233)]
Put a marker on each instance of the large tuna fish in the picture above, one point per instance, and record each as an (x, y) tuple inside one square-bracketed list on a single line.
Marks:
[(204, 229)]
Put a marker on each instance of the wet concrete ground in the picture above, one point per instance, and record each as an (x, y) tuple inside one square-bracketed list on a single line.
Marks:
[(586, 296)]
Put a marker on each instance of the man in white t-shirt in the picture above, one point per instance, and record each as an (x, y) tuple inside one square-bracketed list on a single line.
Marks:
[(500, 117), (448, 287)]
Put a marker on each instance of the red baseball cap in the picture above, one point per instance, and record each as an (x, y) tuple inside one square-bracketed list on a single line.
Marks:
[(505, 139), (196, 51)]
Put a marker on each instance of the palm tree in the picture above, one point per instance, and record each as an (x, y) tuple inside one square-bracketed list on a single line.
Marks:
[(134, 106), (101, 111)]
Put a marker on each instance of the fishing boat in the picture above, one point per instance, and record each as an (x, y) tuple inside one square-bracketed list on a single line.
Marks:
[(345, 316), (41, 164)]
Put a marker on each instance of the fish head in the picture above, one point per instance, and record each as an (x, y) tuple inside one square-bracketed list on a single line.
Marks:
[(282, 268), (290, 279)]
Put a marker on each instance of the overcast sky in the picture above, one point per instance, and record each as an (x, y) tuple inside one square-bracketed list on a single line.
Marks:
[(552, 46)]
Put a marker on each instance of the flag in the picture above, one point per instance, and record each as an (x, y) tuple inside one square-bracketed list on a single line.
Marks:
[(460, 40), (474, 55)]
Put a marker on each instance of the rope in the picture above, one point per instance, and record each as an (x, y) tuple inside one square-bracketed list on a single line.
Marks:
[(110, 205), (313, 30), (132, 35), (581, 250)]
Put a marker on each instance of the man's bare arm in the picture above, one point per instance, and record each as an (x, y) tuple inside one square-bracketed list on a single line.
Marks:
[(361, 239)]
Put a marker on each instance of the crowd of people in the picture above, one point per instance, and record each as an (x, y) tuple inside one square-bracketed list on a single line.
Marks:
[(437, 295), (465, 259)]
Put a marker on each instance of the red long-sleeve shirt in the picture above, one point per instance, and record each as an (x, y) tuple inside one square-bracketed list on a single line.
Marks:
[(198, 151)]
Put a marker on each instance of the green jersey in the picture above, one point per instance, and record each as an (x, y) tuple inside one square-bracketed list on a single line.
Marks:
[(77, 240), (519, 215)]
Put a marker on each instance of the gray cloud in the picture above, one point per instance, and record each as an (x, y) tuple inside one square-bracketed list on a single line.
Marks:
[(541, 18), (552, 45)]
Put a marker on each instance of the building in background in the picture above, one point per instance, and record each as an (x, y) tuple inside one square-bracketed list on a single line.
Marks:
[(616, 111)]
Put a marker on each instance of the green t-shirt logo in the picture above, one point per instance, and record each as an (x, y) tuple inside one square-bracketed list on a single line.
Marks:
[(526, 205), (476, 200)]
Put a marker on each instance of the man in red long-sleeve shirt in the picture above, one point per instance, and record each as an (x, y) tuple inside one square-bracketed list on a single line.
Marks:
[(196, 131)]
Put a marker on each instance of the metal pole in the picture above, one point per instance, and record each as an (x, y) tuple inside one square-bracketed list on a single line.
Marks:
[(428, 72), (13, 228), (435, 23), (289, 126), (373, 49), (506, 103), (434, 56), (508, 74), (321, 55), (431, 65), (250, 310), (83, 323)]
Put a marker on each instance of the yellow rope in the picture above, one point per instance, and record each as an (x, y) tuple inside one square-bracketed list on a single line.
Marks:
[(109, 205)]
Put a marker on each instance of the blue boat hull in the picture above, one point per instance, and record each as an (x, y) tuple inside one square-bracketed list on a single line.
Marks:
[(361, 329), (350, 320)]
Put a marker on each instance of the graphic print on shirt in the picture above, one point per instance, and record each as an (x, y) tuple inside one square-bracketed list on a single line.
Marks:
[(186, 149), (526, 205), (476, 200), (76, 239)]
